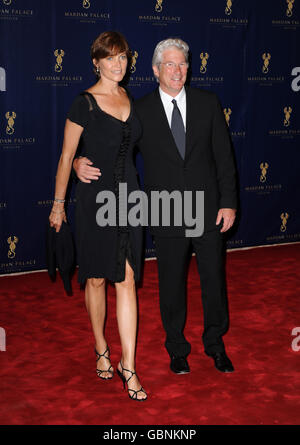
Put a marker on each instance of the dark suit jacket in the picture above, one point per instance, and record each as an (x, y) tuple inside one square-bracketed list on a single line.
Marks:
[(208, 163)]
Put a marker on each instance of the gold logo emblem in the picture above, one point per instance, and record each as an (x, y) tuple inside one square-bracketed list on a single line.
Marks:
[(228, 9), (7, 2), (86, 4), (287, 115), (266, 57), (12, 241), (263, 167), (134, 56), (284, 218), (158, 6), (59, 54), (290, 4), (227, 113), (10, 122), (203, 57)]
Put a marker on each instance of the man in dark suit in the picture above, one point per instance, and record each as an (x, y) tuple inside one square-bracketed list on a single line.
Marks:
[(186, 147)]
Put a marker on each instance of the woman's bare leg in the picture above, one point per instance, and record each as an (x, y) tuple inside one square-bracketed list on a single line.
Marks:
[(127, 323), (95, 302)]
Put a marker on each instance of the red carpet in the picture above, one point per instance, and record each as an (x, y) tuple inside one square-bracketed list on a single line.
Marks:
[(47, 373)]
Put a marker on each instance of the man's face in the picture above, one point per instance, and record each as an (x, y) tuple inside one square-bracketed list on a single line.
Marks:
[(171, 72)]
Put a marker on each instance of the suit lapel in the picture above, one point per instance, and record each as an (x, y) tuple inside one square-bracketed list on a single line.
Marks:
[(190, 120)]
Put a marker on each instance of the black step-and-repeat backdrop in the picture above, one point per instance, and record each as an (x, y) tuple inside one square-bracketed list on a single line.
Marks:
[(247, 51)]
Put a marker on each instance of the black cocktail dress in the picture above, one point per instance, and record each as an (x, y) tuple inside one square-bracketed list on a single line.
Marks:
[(108, 142)]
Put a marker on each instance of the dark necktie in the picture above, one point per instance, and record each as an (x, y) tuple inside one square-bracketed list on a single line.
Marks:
[(177, 129)]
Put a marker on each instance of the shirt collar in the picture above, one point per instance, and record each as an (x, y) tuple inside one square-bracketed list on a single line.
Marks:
[(167, 98)]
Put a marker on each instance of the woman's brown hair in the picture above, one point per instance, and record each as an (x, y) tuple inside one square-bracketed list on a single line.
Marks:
[(109, 43)]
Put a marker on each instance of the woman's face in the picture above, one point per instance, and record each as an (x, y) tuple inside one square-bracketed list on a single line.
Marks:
[(113, 67)]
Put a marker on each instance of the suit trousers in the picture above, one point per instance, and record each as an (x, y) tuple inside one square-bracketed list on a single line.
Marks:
[(173, 256)]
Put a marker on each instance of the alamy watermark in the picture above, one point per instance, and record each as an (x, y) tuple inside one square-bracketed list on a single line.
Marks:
[(160, 209), (296, 341), (296, 81), (2, 79), (2, 339)]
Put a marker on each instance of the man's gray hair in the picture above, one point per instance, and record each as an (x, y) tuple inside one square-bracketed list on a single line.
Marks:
[(166, 44)]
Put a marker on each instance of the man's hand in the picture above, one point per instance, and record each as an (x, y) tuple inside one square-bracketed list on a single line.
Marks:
[(228, 216), (84, 170)]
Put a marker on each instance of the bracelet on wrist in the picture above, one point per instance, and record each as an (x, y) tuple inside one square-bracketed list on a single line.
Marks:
[(59, 200), (53, 211)]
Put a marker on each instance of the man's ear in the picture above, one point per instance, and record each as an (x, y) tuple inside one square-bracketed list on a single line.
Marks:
[(155, 70)]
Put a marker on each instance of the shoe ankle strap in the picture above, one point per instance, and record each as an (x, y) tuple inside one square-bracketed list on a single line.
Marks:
[(102, 355), (127, 370)]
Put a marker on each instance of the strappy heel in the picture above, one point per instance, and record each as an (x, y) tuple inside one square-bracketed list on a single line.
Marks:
[(109, 370), (125, 381)]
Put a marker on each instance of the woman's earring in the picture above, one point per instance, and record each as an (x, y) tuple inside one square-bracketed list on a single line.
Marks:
[(98, 71)]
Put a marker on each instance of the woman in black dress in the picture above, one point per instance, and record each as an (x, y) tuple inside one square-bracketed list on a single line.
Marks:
[(103, 118)]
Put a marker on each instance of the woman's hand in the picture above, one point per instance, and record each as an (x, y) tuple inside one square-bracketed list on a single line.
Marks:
[(57, 216)]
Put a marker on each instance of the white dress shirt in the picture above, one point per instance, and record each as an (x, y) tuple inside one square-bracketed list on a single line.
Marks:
[(168, 106)]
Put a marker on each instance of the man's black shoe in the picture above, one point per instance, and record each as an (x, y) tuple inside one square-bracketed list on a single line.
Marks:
[(222, 362), (179, 365)]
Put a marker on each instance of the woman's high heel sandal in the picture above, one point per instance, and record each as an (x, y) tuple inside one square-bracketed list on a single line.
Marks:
[(125, 381), (109, 370)]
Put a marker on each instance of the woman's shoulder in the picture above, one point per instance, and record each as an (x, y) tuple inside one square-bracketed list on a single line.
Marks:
[(79, 109), (79, 98), (82, 101)]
